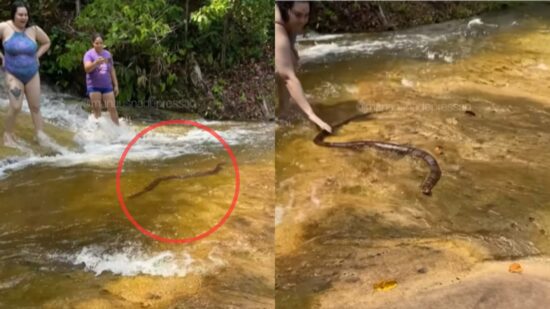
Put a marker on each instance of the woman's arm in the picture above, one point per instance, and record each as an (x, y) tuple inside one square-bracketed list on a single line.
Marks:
[(2, 27), (285, 69), (44, 41), (113, 77), (89, 66)]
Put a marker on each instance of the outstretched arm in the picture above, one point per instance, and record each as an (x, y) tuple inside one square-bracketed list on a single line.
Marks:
[(285, 69)]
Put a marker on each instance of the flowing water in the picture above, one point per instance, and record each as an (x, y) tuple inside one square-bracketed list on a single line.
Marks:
[(475, 94), (66, 243)]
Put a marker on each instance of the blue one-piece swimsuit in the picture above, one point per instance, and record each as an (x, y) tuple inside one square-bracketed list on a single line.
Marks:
[(20, 57)]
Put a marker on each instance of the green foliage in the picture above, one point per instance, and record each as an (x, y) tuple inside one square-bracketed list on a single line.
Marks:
[(207, 15), (135, 32), (151, 42), (226, 26), (364, 16)]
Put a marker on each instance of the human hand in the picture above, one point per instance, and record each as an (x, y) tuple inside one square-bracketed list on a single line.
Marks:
[(116, 91), (99, 60), (323, 125)]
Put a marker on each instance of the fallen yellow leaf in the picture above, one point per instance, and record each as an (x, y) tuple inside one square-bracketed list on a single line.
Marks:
[(515, 268), (385, 285)]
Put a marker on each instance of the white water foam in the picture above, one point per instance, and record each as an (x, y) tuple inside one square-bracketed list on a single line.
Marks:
[(101, 142), (430, 44), (370, 46), (478, 22), (133, 261), (316, 37)]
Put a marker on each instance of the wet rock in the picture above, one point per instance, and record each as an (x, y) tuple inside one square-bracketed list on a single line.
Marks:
[(470, 113)]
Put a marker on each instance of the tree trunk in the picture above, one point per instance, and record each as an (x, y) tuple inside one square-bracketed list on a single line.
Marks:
[(186, 29), (77, 5), (224, 43)]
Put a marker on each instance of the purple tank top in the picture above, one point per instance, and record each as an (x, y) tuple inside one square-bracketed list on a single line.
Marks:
[(100, 77)]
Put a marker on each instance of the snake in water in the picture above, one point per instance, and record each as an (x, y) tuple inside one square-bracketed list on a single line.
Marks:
[(153, 184), (429, 182)]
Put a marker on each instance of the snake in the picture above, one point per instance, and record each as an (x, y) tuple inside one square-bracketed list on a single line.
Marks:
[(153, 184), (429, 182)]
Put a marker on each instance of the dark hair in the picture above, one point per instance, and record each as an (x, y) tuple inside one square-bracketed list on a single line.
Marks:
[(96, 35), (284, 6), (20, 4)]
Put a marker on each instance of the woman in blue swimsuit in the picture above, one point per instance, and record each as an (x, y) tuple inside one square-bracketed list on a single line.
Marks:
[(20, 62)]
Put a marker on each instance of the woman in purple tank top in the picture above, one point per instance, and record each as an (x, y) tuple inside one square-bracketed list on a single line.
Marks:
[(20, 62), (101, 81)]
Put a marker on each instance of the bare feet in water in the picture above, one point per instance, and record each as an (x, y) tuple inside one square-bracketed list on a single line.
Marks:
[(9, 141), (12, 141), (46, 142), (42, 139)]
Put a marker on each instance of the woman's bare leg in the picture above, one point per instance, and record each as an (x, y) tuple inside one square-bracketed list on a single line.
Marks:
[(16, 95), (95, 100), (109, 99), (32, 92)]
